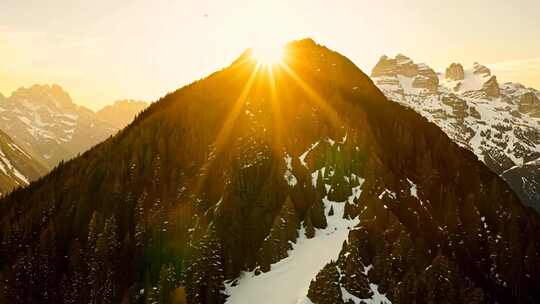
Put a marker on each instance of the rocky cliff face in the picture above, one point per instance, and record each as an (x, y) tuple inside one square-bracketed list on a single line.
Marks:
[(304, 185), (455, 72), (419, 76), (499, 123)]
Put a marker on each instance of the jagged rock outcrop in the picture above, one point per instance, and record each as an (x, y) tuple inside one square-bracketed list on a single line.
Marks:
[(454, 72), (529, 103), (481, 70), (422, 76), (400, 65), (491, 87), (429, 83)]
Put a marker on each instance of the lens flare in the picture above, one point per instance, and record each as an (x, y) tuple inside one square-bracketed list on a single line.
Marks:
[(268, 54)]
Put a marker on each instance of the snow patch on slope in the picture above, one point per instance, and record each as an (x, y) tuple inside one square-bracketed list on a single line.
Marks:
[(7, 167), (288, 280)]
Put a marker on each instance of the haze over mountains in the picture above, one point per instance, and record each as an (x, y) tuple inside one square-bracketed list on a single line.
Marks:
[(500, 123), (306, 180), (43, 121)]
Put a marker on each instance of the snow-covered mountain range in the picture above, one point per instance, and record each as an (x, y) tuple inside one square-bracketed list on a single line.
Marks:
[(500, 123), (45, 121)]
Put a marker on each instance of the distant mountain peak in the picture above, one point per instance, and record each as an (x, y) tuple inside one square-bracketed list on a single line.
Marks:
[(53, 96), (455, 72), (481, 69), (417, 76), (491, 87), (121, 112), (45, 121)]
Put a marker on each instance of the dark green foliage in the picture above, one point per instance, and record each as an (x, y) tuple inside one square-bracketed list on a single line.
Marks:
[(325, 289), (205, 275), (284, 231)]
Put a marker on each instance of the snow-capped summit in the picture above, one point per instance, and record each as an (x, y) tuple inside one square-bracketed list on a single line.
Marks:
[(499, 123)]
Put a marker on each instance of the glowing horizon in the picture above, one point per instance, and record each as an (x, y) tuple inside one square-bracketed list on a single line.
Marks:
[(132, 50)]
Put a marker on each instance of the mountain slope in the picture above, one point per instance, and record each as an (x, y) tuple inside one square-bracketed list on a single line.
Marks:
[(232, 182), (17, 167), (121, 113), (499, 123)]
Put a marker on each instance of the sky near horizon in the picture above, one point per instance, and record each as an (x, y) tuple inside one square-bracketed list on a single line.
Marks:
[(101, 51)]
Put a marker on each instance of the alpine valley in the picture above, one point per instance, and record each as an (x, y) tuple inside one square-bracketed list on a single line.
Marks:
[(294, 183), (500, 123)]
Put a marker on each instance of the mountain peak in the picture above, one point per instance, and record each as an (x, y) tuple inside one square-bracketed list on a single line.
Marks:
[(455, 72), (479, 69), (44, 94), (491, 87), (122, 112), (421, 76)]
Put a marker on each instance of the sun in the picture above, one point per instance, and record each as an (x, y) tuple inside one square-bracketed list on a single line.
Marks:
[(268, 54)]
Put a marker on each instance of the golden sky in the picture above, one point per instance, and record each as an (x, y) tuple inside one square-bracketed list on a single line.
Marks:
[(103, 50)]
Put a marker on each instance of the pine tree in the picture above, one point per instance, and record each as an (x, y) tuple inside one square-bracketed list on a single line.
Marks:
[(284, 231), (206, 275), (325, 288), (95, 263), (76, 284), (308, 226), (166, 283)]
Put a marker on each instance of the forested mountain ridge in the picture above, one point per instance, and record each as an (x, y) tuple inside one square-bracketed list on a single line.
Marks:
[(214, 185)]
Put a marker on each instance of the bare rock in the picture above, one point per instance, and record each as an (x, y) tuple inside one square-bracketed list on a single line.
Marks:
[(455, 72), (401, 65), (479, 69), (529, 103), (491, 87)]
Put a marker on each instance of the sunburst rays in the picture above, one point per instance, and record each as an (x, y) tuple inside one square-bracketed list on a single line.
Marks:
[(268, 74)]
